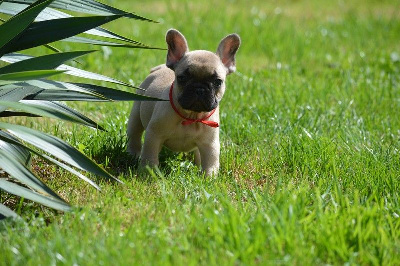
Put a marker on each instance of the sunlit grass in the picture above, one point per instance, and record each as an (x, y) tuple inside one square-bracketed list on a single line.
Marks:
[(310, 134)]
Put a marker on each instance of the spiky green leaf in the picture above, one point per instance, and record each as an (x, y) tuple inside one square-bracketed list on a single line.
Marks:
[(26, 193), (51, 110), (44, 62), (12, 28), (57, 148), (15, 57), (20, 172), (28, 75), (49, 13), (7, 138), (44, 32), (6, 212)]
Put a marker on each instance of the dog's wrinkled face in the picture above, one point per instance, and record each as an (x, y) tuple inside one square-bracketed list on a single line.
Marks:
[(200, 75), (200, 81)]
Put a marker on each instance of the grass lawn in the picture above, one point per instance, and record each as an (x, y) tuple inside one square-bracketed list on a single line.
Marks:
[(310, 158)]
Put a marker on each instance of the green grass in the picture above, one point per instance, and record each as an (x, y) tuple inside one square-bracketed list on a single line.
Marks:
[(310, 159)]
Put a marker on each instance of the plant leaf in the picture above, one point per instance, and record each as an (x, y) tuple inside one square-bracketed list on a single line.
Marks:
[(20, 172), (75, 39), (6, 212), (57, 148), (44, 62), (28, 75), (14, 57), (18, 190), (44, 32), (87, 7), (14, 95), (86, 92), (51, 85), (17, 151), (64, 95), (49, 13), (12, 28), (10, 139), (12, 113), (51, 110), (116, 95)]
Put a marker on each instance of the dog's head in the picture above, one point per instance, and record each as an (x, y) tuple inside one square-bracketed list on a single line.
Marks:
[(200, 75)]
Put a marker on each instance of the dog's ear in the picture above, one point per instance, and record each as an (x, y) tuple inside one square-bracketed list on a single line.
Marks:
[(226, 51), (177, 47)]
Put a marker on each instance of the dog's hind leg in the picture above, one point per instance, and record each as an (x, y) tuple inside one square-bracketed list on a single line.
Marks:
[(135, 131)]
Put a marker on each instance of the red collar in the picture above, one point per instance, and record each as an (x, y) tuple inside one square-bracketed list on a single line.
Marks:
[(188, 121)]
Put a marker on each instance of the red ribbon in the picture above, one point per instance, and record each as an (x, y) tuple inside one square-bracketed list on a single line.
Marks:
[(189, 121)]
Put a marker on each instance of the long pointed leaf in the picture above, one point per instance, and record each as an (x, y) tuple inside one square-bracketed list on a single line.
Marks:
[(51, 110), (64, 95), (53, 106), (10, 139), (20, 172), (14, 57), (15, 95), (12, 113), (15, 189), (71, 170), (62, 91), (43, 32), (75, 39), (87, 7), (51, 85), (89, 92), (44, 62), (57, 93), (18, 152), (49, 13), (57, 148), (13, 27), (28, 75), (6, 212), (116, 95)]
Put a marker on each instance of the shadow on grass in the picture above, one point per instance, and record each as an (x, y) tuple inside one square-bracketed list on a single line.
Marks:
[(115, 159)]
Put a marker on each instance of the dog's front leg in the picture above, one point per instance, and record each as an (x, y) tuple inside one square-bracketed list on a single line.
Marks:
[(151, 148), (209, 154)]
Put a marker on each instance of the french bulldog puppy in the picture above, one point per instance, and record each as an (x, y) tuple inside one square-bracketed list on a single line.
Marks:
[(192, 84)]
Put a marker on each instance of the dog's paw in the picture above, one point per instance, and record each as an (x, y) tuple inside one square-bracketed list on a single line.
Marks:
[(134, 153)]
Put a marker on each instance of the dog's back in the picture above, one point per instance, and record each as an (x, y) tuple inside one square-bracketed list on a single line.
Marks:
[(159, 79)]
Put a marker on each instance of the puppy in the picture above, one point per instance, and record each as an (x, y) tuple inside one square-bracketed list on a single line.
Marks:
[(192, 84)]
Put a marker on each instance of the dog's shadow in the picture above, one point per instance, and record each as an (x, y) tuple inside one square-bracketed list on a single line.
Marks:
[(118, 161)]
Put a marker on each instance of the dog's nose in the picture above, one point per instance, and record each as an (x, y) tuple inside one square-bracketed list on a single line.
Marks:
[(200, 91)]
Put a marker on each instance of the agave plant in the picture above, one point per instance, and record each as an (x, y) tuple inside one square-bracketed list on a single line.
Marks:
[(25, 90)]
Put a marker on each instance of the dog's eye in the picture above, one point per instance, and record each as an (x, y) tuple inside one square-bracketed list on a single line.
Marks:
[(217, 82), (183, 78)]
